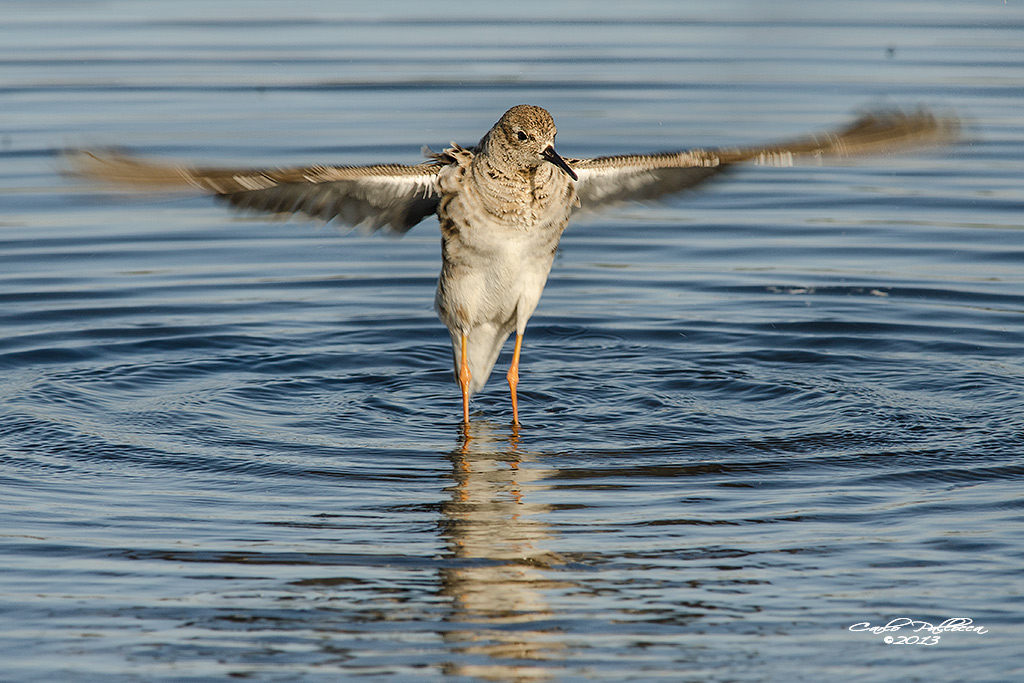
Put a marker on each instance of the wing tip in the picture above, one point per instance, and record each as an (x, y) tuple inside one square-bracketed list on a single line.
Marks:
[(114, 167)]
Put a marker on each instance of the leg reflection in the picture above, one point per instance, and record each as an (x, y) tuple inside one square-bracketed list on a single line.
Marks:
[(502, 564)]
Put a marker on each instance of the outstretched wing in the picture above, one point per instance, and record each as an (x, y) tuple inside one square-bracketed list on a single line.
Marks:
[(393, 196), (608, 180)]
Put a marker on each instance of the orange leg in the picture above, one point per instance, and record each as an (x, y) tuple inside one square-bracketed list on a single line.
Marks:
[(513, 378), (464, 378)]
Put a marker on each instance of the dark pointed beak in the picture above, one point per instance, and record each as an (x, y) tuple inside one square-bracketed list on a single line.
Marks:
[(551, 155)]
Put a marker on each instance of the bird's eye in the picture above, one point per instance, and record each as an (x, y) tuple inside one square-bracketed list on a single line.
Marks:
[(521, 135)]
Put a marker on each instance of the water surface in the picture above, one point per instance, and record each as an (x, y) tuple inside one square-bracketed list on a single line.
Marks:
[(753, 416)]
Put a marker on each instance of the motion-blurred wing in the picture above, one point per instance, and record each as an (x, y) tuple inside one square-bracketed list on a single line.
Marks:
[(393, 196), (608, 180)]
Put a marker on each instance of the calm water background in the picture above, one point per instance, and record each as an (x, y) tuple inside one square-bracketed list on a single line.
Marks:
[(753, 415)]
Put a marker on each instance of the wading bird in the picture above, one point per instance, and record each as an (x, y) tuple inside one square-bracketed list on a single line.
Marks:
[(502, 206)]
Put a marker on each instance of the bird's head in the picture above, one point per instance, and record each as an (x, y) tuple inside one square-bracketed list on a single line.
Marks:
[(525, 137)]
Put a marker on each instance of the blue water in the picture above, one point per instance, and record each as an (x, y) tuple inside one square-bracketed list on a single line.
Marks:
[(753, 415)]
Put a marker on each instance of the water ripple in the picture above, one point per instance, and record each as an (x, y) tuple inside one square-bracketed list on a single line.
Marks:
[(753, 415)]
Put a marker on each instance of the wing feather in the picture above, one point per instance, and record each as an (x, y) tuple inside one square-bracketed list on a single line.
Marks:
[(608, 180), (389, 195)]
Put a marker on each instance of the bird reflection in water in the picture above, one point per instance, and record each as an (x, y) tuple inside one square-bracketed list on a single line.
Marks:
[(501, 625)]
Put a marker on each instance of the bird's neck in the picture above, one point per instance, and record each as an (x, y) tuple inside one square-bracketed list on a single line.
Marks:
[(494, 170)]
